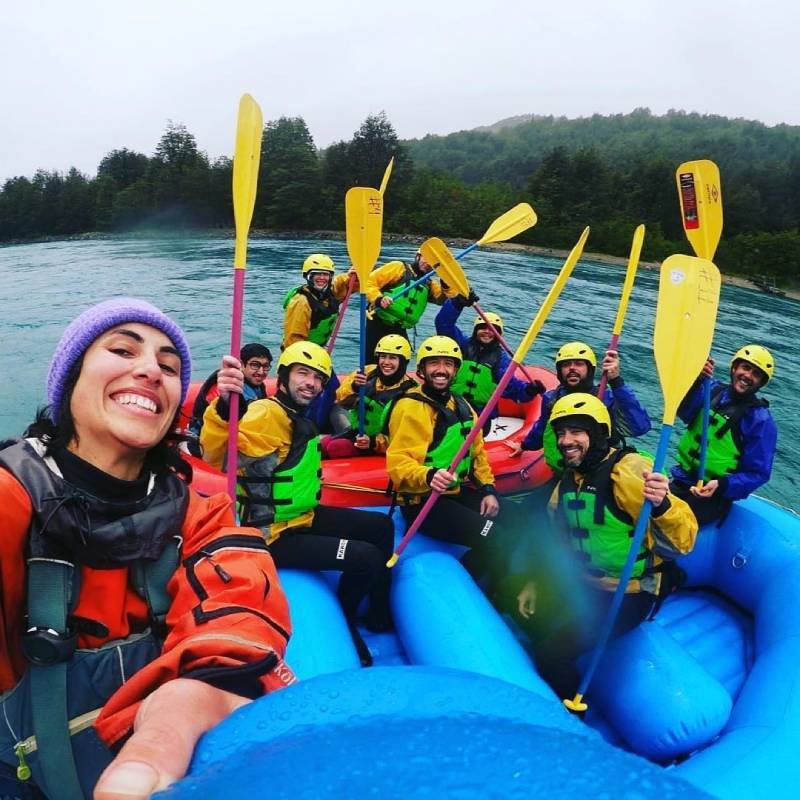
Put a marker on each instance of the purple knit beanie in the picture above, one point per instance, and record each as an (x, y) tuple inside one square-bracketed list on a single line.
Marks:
[(83, 330)]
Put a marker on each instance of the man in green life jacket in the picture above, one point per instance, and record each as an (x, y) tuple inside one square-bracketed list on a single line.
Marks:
[(280, 476), (594, 507), (575, 367), (383, 382), (427, 425), (742, 436), (312, 308), (393, 313)]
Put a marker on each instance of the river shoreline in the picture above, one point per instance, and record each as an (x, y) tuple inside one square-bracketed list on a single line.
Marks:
[(602, 258)]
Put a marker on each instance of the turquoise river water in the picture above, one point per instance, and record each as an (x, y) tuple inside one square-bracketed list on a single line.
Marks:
[(44, 286)]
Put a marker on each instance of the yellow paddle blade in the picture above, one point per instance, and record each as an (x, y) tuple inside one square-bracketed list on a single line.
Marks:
[(552, 296), (438, 255), (246, 159), (363, 210), (700, 194), (630, 275), (386, 174), (514, 221), (688, 297)]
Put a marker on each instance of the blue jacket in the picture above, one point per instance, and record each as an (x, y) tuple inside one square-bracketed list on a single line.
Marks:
[(517, 390), (628, 416), (759, 436)]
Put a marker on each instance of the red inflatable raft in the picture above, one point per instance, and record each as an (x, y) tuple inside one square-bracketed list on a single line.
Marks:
[(363, 481)]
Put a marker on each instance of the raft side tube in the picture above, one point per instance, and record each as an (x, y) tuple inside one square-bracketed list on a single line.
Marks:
[(443, 619)]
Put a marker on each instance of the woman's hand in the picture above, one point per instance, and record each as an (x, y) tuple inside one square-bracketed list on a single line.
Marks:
[(167, 727), (230, 377), (359, 379), (385, 301), (362, 441), (706, 490)]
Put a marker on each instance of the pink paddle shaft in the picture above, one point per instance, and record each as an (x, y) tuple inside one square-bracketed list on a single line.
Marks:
[(471, 436), (601, 389), (499, 337), (232, 459), (342, 309)]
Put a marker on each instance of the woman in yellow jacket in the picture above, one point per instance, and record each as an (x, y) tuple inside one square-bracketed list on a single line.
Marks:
[(595, 506), (427, 426), (383, 382), (280, 477)]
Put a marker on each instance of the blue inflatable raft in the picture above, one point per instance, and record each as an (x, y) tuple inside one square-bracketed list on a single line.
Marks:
[(704, 701)]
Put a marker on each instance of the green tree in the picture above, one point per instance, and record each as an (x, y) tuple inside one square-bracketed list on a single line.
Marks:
[(179, 175), (290, 181), (124, 167)]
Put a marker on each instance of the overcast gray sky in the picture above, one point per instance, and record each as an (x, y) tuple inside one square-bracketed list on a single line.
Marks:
[(79, 78)]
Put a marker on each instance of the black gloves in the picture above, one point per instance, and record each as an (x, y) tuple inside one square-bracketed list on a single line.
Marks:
[(535, 387)]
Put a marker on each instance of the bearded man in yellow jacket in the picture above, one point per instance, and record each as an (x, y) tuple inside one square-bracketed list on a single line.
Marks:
[(595, 506), (427, 426), (280, 481)]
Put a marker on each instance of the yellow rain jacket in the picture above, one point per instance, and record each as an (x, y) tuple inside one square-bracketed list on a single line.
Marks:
[(347, 397), (411, 429), (297, 320), (264, 431), (391, 273)]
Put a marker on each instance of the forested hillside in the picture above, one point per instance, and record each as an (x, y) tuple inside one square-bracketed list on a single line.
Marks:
[(608, 172)]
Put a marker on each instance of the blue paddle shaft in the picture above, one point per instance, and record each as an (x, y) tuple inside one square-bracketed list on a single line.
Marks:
[(627, 570), (428, 275), (701, 468), (466, 251), (362, 346)]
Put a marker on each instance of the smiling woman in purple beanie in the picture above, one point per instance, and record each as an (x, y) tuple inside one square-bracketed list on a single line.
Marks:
[(133, 615)]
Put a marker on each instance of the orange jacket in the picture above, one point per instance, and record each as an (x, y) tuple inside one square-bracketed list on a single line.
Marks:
[(259, 625)]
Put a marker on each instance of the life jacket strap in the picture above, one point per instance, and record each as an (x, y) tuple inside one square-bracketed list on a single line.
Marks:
[(50, 582)]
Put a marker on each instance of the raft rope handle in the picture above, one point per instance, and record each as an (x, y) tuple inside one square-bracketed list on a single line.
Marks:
[(740, 557), (523, 473)]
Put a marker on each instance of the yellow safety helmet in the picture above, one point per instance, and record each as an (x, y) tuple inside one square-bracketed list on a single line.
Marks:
[(439, 346), (572, 351), (495, 319), (580, 404), (308, 354), (318, 262), (757, 355), (394, 344)]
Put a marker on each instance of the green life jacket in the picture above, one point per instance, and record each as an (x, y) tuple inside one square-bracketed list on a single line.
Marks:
[(48, 735), (475, 378), (406, 310), (449, 432), (599, 530), (323, 314), (724, 437), (275, 491), (378, 404)]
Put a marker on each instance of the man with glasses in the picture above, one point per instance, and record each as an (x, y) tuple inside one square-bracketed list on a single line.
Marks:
[(256, 361)]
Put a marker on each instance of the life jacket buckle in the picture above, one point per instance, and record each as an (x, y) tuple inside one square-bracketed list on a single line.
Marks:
[(46, 646)]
